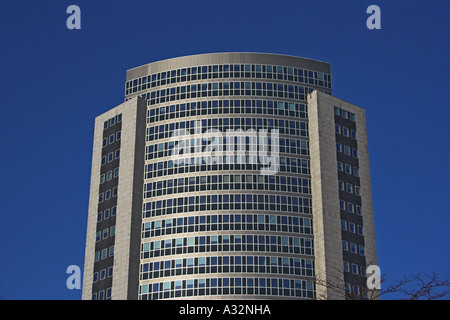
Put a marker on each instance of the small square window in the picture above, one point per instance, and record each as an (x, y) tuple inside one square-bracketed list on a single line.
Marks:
[(112, 122), (344, 114), (345, 131), (348, 169), (337, 128), (351, 116), (347, 150), (351, 227), (344, 245)]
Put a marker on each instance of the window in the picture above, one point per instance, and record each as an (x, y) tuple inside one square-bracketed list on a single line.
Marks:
[(349, 188), (361, 250), (351, 207), (351, 227), (342, 204), (103, 274), (337, 128), (108, 293), (118, 135), (343, 225), (356, 171), (344, 114), (352, 116), (348, 169), (344, 245), (353, 134), (338, 147), (360, 230), (346, 266), (337, 111), (340, 166), (105, 233), (345, 131), (355, 153), (347, 150)]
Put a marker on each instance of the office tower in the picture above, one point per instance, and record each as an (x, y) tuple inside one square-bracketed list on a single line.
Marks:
[(229, 176)]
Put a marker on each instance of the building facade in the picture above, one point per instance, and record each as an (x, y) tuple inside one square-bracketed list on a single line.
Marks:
[(229, 176)]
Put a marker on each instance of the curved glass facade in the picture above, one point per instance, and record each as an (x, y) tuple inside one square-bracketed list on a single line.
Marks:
[(225, 228)]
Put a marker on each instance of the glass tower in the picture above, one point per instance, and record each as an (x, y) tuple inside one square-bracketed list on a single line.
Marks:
[(244, 178)]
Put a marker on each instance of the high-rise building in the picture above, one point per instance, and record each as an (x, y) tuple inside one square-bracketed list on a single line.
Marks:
[(229, 176)]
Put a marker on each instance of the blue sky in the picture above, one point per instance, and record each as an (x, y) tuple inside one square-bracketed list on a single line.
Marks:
[(55, 81)]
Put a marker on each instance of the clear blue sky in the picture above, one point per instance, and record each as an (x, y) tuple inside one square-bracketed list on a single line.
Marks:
[(55, 81)]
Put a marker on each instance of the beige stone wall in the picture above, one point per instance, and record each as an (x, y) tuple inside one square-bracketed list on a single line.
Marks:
[(324, 180), (325, 196), (129, 200)]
